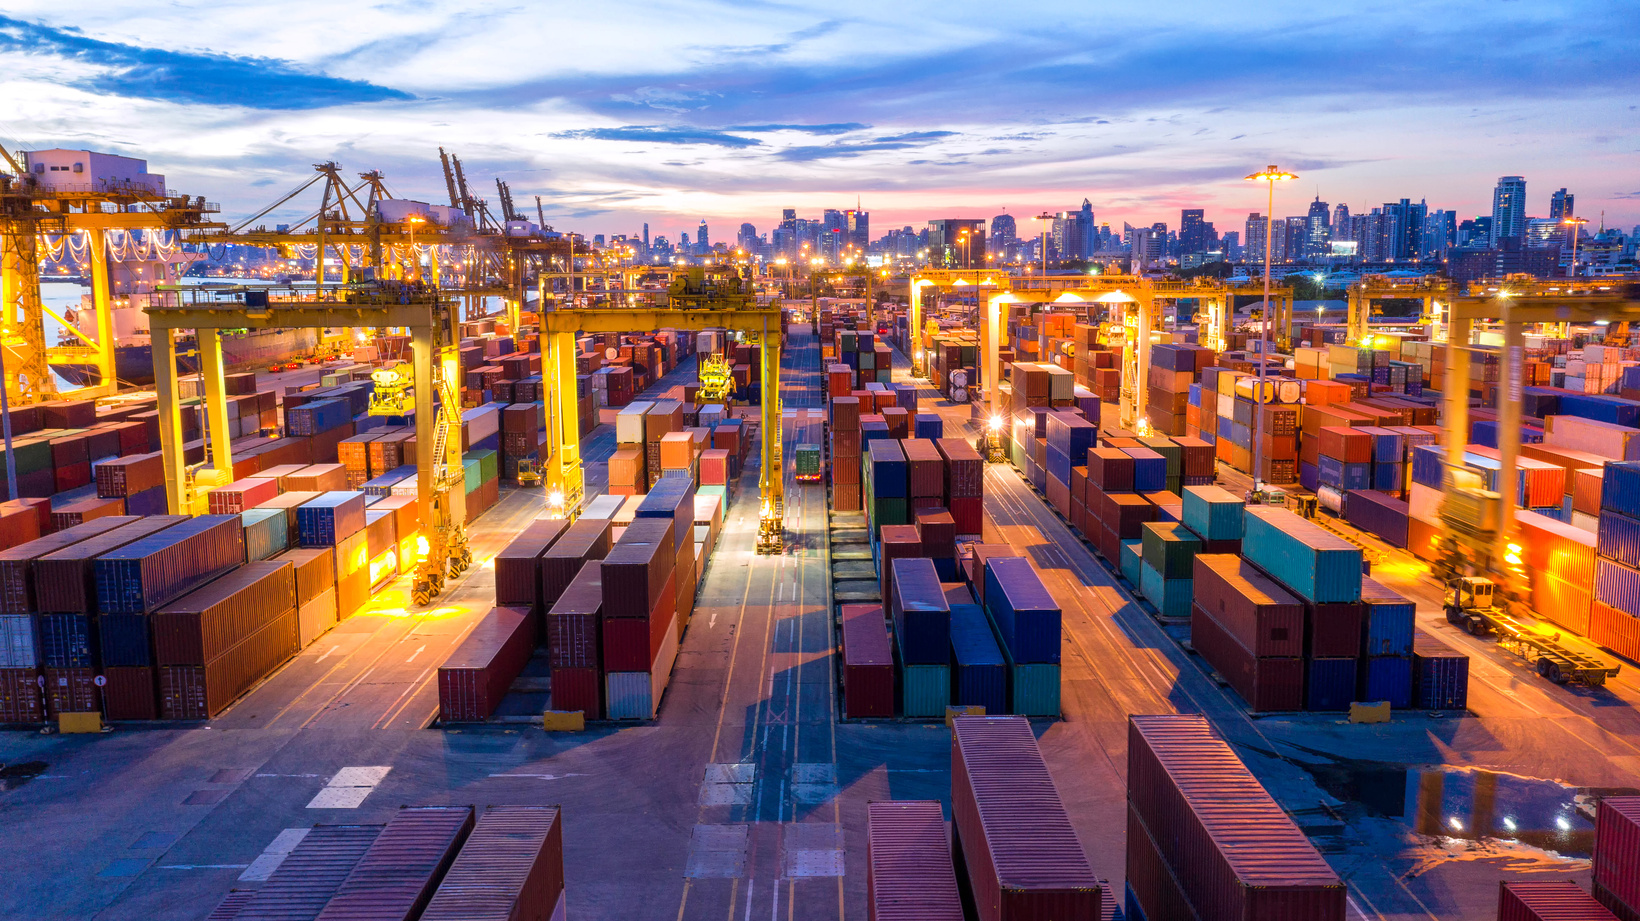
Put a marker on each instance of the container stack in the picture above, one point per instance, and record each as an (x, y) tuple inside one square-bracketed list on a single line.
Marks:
[(1616, 882), (523, 436), (922, 637), (909, 872), (1615, 613), (572, 593), (1025, 622), (640, 629), (1388, 628), (213, 644), (1204, 838)]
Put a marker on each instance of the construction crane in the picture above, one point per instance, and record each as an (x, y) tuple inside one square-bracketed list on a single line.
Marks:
[(508, 213)]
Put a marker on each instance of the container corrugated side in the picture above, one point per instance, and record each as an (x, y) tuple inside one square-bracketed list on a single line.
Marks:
[(1617, 849), (1390, 620), (1023, 856), (1314, 563), (477, 674), (518, 567), (510, 869), (17, 563), (1440, 675), (572, 622), (1249, 606), (587, 539), (204, 624), (909, 871), (1548, 900), (203, 691), (1026, 615), (922, 618), (636, 569), (1235, 851), (979, 675), (151, 571), (868, 662), (310, 875), (1265, 683), (395, 878)]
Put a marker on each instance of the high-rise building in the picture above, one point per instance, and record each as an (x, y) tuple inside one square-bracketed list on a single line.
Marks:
[(1003, 230), (1342, 225), (1317, 229), (858, 230), (703, 240), (1509, 208), (1560, 205), (747, 238), (1257, 230), (1192, 231), (957, 242), (1440, 233), (1231, 245), (788, 219)]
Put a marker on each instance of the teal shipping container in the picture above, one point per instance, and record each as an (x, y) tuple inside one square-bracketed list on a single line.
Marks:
[(1132, 558), (267, 533), (1213, 512), (1033, 690), (1171, 597), (1308, 560)]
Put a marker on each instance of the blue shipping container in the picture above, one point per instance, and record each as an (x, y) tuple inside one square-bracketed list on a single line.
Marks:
[(1618, 538), (1213, 512), (66, 640), (144, 574), (1329, 684), (1440, 678), (1388, 446), (1389, 477), (979, 674), (922, 619), (1309, 476), (673, 498), (329, 518), (1058, 464), (1620, 488), (1308, 560), (1149, 470), (1428, 465), (1390, 622), (1387, 678), (123, 639), (267, 533), (873, 431), (318, 416), (929, 425), (383, 485), (1617, 585), (1601, 408), (1172, 597), (888, 469), (1026, 616)]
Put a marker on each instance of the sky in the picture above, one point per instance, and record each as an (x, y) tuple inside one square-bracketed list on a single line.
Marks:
[(673, 112)]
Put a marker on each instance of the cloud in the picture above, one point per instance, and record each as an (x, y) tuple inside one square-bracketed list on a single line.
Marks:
[(836, 128), (186, 77), (658, 134)]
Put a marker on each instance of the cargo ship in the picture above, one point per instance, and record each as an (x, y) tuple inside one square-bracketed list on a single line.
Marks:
[(136, 284)]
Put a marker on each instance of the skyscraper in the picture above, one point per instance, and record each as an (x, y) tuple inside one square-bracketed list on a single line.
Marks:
[(703, 241), (858, 230), (747, 240), (1560, 205), (1509, 208), (1192, 231), (1253, 247), (1317, 230), (1003, 230), (1342, 225)]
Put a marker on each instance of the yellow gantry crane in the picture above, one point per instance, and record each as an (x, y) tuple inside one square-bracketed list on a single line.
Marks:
[(702, 297)]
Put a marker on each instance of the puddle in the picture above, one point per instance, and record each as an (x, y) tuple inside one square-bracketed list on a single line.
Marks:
[(13, 776), (1469, 804)]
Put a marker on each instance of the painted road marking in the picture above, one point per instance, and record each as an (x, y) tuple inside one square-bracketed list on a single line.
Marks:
[(349, 788), (273, 855), (418, 652)]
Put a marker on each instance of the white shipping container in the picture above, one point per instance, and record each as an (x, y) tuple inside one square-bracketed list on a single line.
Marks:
[(603, 507), (481, 422), (637, 695), (629, 423), (17, 649)]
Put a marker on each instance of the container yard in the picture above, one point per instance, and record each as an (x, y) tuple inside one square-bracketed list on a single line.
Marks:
[(666, 591)]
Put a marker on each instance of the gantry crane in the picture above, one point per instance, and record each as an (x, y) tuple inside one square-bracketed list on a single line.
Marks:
[(703, 297)]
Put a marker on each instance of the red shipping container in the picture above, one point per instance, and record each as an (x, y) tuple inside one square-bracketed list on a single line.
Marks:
[(125, 476), (637, 569), (868, 663), (1023, 857), (316, 478), (938, 530), (70, 476), (510, 869), (1250, 607), (477, 674), (586, 540), (1334, 630), (70, 449), (1349, 445), (1109, 469), (237, 497), (925, 468), (1236, 853), (17, 563), (632, 643), (1149, 879), (573, 622), (578, 689), (909, 872), (71, 690), (130, 693), (1264, 683), (395, 878), (203, 692), (76, 513), (1548, 900), (968, 513), (1059, 496), (1124, 513), (845, 497), (20, 696), (714, 467), (518, 565), (964, 468), (1617, 850), (308, 878), (206, 623)]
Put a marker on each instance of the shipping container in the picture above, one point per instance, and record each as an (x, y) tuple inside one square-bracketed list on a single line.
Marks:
[(329, 518), (395, 878), (17, 594), (1385, 678), (1023, 856), (1236, 854), (868, 663), (909, 871), (1212, 512), (1617, 854), (586, 540), (1027, 617), (476, 675), (311, 874), (979, 673), (1249, 606), (1308, 560), (1440, 679), (1390, 620), (638, 568), (573, 621), (1265, 683), (1548, 900), (203, 692), (143, 575), (129, 693), (518, 565), (206, 623), (922, 618)]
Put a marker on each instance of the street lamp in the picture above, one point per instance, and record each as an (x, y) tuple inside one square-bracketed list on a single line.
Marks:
[(415, 257), (1270, 175), (1576, 223)]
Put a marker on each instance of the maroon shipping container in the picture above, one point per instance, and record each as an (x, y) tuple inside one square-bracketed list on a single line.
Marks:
[(1123, 512), (578, 689), (631, 644), (518, 565), (1023, 857), (585, 540), (572, 624), (637, 568), (206, 623), (1617, 854), (1110, 469), (395, 878), (868, 663), (475, 677), (1548, 900), (1252, 608), (64, 579), (1265, 683), (228, 908), (1150, 881), (312, 873), (71, 690), (896, 542), (909, 873), (20, 696), (925, 468), (1334, 630), (17, 563), (510, 869), (119, 477), (315, 571), (964, 468), (130, 693), (239, 496), (67, 516), (1235, 852), (939, 533), (203, 692)]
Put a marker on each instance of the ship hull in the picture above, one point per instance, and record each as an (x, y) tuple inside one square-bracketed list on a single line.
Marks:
[(253, 351)]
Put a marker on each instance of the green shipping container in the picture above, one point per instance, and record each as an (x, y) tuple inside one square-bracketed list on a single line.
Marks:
[(489, 464), (1033, 690), (1132, 556), (887, 511), (1170, 548), (925, 690), (868, 361), (31, 454), (1172, 597), (806, 461), (474, 475), (1170, 452)]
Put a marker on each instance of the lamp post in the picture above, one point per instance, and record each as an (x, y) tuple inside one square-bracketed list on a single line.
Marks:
[(1042, 243), (1270, 175), (415, 257), (1576, 223)]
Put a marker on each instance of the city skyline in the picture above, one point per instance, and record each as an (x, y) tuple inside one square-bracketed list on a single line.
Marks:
[(692, 115)]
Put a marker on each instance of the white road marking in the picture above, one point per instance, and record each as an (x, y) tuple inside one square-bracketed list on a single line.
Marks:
[(332, 649), (273, 855), (542, 776), (348, 789), (418, 652), (207, 866)]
